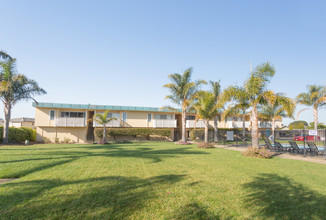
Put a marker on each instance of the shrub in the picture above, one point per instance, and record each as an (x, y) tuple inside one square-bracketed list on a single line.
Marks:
[(66, 140), (56, 140), (19, 135), (258, 152), (134, 132), (46, 140), (205, 145)]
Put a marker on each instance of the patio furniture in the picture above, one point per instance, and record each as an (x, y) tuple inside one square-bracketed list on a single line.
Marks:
[(314, 150), (280, 147), (295, 147), (269, 146)]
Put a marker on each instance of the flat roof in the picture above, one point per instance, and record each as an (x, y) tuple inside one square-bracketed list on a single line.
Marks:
[(101, 107)]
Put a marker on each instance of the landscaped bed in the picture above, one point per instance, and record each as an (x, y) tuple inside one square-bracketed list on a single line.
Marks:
[(155, 181)]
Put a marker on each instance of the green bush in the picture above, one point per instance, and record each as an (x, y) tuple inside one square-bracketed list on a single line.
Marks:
[(134, 132), (19, 134)]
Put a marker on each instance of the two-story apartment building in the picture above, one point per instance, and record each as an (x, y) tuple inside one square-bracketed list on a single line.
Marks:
[(74, 121)]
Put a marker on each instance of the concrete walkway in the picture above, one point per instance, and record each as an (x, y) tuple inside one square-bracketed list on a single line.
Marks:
[(320, 159)]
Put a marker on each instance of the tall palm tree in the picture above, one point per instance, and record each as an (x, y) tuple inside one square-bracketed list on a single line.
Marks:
[(255, 90), (282, 107), (14, 88), (315, 98), (216, 91), (206, 109), (239, 107), (182, 93), (103, 119)]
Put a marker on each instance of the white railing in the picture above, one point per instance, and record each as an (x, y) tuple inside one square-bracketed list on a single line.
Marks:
[(113, 123), (70, 122), (191, 124), (161, 123), (238, 124)]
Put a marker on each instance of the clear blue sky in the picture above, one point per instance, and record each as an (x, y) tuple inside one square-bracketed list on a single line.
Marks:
[(121, 52)]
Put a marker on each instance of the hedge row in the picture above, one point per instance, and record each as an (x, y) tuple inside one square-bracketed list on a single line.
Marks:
[(134, 132), (19, 134), (200, 132)]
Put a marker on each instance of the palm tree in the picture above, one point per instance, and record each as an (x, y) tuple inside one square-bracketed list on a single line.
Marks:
[(4, 55), (282, 107), (216, 91), (206, 109), (103, 119), (255, 90), (315, 98), (14, 88), (182, 93), (239, 107)]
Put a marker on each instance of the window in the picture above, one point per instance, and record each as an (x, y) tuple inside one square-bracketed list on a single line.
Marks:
[(72, 114), (113, 115), (124, 116), (149, 117), (190, 117), (52, 114)]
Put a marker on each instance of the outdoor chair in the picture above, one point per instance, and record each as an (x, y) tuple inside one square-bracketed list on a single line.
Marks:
[(314, 150), (269, 146), (280, 147), (295, 147)]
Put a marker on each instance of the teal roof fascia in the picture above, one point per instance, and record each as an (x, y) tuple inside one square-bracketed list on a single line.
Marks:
[(100, 107)]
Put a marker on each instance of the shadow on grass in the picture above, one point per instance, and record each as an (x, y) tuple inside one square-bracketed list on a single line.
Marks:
[(59, 157), (109, 197), (194, 211), (279, 197)]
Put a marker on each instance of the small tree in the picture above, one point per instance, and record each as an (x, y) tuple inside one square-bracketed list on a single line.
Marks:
[(282, 107), (103, 119), (240, 107), (14, 88), (315, 98), (182, 93), (216, 91), (206, 109), (255, 90)]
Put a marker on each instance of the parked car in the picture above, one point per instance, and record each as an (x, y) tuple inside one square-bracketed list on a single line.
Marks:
[(306, 137)]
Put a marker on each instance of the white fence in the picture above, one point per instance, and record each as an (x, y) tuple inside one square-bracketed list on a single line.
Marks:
[(164, 123)]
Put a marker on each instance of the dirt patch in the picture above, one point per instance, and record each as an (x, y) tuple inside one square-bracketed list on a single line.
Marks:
[(6, 180)]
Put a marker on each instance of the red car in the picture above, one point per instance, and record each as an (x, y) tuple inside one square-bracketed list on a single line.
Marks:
[(306, 136)]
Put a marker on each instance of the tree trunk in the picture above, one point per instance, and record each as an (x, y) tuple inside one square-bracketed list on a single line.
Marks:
[(244, 127), (254, 129), (183, 124), (7, 112), (273, 128), (315, 118), (215, 129), (206, 130), (104, 134)]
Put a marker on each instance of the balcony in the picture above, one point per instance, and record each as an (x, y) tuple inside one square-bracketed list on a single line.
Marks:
[(238, 124), (164, 123), (70, 122), (111, 124), (191, 124)]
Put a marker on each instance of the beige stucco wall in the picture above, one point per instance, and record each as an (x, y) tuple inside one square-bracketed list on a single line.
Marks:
[(76, 135)]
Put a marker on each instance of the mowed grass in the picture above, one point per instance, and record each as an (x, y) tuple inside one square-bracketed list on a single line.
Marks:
[(155, 181)]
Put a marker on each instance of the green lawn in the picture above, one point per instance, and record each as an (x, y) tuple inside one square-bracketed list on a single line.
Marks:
[(156, 181)]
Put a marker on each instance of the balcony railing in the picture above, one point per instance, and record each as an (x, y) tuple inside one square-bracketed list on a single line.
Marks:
[(238, 124), (161, 123), (112, 124), (70, 122), (191, 124)]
